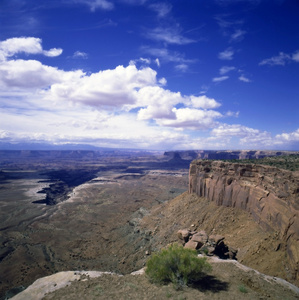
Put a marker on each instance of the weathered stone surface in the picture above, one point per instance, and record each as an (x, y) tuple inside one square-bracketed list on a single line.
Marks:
[(213, 245), (54, 282), (184, 234), (191, 245), (216, 238), (199, 243), (270, 194), (210, 250), (200, 237), (232, 253)]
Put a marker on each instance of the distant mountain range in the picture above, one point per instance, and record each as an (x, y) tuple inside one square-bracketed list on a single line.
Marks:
[(45, 146), (185, 155)]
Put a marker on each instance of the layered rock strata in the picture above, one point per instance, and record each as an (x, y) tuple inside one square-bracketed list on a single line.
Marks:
[(271, 195)]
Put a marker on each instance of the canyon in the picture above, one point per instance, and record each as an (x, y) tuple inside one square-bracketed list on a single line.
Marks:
[(64, 210), (108, 211)]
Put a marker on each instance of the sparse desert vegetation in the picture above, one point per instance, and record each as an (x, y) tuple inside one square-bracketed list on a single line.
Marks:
[(176, 264)]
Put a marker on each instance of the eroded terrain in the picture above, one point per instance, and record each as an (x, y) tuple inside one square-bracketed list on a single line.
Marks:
[(86, 226), (84, 210)]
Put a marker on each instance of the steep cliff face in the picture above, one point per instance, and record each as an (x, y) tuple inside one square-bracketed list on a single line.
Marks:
[(271, 195)]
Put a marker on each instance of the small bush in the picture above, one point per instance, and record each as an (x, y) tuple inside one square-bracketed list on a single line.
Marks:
[(243, 289), (177, 265)]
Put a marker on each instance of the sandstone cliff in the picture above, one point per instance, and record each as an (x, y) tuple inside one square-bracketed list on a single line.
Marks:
[(271, 195)]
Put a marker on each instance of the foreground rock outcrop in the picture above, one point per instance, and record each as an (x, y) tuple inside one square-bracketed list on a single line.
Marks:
[(228, 280), (210, 245), (269, 194), (54, 282)]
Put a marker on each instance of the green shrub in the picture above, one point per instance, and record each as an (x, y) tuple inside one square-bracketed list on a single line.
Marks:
[(177, 265), (243, 289)]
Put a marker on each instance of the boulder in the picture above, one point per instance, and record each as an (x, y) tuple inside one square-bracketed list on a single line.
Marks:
[(232, 253), (210, 250), (200, 237), (215, 239), (210, 245), (191, 245), (199, 243), (184, 235)]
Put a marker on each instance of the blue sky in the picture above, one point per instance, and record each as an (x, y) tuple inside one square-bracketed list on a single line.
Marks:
[(182, 74)]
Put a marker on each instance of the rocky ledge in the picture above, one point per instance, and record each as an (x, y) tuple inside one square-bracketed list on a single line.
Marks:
[(209, 245), (270, 194)]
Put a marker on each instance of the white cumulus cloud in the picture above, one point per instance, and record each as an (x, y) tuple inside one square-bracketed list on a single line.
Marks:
[(125, 106), (288, 137), (52, 52), (204, 102), (234, 130), (249, 137), (32, 74), (27, 45), (191, 118), (110, 88), (157, 103)]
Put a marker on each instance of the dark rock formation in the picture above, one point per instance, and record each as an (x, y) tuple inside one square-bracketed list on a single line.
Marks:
[(271, 195), (64, 182), (55, 193)]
